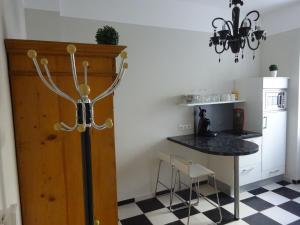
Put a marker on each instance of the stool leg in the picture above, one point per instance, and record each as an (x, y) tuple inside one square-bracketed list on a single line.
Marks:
[(190, 202), (172, 190), (218, 200), (157, 179), (179, 186)]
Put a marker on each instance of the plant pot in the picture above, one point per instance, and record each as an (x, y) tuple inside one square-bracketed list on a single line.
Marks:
[(274, 73)]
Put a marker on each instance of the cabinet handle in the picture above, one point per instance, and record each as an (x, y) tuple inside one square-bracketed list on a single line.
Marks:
[(265, 122), (247, 170), (274, 171)]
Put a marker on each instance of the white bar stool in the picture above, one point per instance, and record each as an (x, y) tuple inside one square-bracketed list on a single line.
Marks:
[(165, 157), (194, 171)]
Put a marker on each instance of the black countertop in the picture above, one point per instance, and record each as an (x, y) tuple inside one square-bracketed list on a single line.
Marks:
[(225, 143)]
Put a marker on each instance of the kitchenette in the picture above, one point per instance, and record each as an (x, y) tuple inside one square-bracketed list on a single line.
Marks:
[(243, 133)]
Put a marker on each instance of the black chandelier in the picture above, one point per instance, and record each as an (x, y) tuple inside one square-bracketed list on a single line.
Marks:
[(236, 36)]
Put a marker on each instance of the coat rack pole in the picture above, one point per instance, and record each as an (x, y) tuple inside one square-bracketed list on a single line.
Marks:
[(87, 177)]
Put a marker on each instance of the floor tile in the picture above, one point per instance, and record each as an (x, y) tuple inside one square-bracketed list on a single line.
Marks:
[(224, 199), (245, 195), (214, 215), (260, 219), (185, 194), (292, 207), (206, 189), (287, 192), (258, 191), (295, 223), (280, 215), (257, 203), (204, 206), (238, 222), (150, 205), (283, 183), (245, 210), (272, 186), (178, 222), (273, 198), (182, 213), (137, 220), (295, 187), (297, 200), (165, 200), (128, 210), (161, 216), (198, 219)]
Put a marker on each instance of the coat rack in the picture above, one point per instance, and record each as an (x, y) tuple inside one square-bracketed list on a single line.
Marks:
[(84, 116)]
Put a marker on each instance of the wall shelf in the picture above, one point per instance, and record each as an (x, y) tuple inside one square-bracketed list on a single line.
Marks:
[(211, 103)]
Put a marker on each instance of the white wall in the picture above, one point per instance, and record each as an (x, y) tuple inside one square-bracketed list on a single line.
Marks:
[(283, 49), (163, 64), (283, 19), (12, 25)]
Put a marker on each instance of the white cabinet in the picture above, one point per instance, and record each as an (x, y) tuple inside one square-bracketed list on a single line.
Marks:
[(274, 143), (250, 165)]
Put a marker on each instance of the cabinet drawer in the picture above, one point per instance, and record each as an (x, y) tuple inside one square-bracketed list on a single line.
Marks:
[(253, 158), (250, 174), (273, 172)]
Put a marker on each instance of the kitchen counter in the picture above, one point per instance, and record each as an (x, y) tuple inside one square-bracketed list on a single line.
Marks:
[(226, 143)]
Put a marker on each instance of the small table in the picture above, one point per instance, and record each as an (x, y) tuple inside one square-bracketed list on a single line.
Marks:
[(224, 144)]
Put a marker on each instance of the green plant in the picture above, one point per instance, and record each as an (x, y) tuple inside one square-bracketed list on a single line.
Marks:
[(107, 35), (273, 67)]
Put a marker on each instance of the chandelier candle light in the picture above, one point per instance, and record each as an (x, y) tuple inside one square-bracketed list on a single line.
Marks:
[(84, 116), (236, 36)]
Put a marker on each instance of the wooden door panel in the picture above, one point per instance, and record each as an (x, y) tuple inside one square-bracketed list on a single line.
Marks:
[(39, 155)]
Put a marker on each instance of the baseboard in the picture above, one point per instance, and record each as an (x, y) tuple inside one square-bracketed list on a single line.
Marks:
[(144, 197), (125, 202), (227, 189), (296, 181)]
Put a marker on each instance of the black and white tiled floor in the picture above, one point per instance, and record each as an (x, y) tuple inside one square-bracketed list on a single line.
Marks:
[(273, 204)]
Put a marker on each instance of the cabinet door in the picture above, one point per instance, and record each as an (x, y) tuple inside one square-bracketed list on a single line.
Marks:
[(274, 142)]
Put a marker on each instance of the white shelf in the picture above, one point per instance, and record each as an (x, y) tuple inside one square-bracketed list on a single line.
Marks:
[(211, 103)]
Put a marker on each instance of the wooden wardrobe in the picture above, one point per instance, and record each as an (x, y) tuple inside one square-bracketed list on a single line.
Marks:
[(49, 162)]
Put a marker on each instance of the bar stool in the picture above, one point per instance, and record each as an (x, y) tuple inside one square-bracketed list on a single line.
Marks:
[(164, 157), (194, 172)]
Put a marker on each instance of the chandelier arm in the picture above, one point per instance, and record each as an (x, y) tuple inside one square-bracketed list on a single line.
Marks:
[(226, 47), (58, 91), (253, 12), (225, 21), (219, 52), (114, 85), (249, 45), (247, 19)]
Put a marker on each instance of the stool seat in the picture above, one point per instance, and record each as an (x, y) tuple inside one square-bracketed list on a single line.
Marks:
[(193, 170), (197, 170)]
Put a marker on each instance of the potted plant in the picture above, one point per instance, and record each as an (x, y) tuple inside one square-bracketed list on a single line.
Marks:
[(273, 70), (107, 36)]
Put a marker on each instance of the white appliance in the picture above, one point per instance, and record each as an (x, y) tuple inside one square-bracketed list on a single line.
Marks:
[(266, 112)]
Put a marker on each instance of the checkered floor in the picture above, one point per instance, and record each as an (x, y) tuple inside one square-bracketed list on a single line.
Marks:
[(274, 204)]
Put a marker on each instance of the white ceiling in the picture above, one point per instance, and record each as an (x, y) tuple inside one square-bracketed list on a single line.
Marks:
[(261, 5), (180, 14)]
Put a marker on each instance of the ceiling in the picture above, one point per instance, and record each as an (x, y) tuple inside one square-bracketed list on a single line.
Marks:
[(179, 14), (261, 5)]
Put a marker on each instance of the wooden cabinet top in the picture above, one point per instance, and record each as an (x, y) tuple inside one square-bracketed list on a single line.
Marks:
[(59, 48), (100, 57)]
